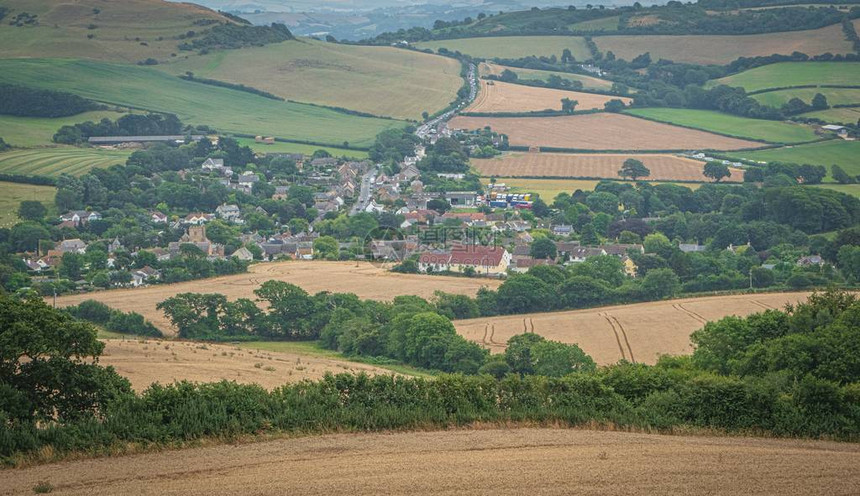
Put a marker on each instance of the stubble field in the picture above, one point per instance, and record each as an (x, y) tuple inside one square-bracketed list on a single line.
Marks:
[(603, 131), (507, 97), (366, 280), (640, 332), (483, 461), (584, 165)]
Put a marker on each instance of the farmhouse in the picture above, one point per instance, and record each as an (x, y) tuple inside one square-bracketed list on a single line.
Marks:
[(485, 260), (78, 217), (230, 213)]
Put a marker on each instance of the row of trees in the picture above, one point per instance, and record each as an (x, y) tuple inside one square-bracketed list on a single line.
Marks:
[(23, 101)]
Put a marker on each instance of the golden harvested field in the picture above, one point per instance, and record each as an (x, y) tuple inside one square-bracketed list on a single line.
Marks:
[(546, 188), (640, 332), (716, 49), (604, 165), (485, 69), (548, 461), (603, 131), (144, 361), (497, 96), (366, 280)]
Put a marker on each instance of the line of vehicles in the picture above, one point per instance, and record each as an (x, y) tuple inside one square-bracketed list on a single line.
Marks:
[(509, 200)]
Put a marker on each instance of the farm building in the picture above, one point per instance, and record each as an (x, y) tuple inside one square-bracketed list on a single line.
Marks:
[(485, 260)]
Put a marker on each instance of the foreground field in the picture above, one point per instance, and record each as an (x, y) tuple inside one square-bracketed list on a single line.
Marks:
[(224, 109), (588, 82), (508, 97), (601, 131), (731, 125), (827, 153), (365, 280), (39, 131), (144, 361), (377, 80), (640, 332), (513, 47), (483, 461), (60, 160), (584, 165), (715, 49), (12, 194), (794, 74)]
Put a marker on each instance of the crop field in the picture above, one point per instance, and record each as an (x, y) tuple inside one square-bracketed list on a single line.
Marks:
[(835, 96), (591, 165), (740, 127), (513, 47), (224, 109), (548, 189), (127, 31), (381, 81), (146, 360), (456, 461), (12, 194), (59, 160), (640, 332), (588, 82), (602, 131), (722, 49), (848, 115), (366, 280), (826, 153), (38, 131), (794, 74), (283, 147), (509, 97)]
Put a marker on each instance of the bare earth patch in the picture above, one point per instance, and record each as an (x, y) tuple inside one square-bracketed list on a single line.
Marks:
[(640, 332), (604, 165), (366, 280), (498, 96), (494, 461), (145, 361), (601, 131)]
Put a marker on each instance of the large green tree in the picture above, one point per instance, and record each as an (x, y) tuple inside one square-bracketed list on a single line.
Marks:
[(633, 169)]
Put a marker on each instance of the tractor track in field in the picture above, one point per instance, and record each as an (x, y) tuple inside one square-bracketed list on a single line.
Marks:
[(614, 331), (623, 333), (691, 314)]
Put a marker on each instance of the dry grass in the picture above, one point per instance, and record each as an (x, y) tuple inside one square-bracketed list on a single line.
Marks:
[(146, 361), (365, 280), (474, 461), (601, 131), (508, 97), (546, 188), (604, 165), (718, 49), (640, 332)]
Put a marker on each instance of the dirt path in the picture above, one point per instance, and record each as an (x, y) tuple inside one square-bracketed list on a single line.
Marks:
[(515, 461)]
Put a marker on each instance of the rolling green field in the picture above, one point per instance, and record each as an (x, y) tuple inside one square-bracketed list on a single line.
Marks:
[(835, 96), (826, 153), (38, 131), (512, 47), (845, 115), (381, 81), (224, 109), (602, 24), (281, 147), (12, 194), (794, 74), (588, 82), (740, 127), (848, 189), (59, 160)]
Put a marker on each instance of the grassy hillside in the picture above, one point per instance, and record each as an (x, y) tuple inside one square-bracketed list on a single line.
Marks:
[(378, 80), (12, 194), (741, 127), (60, 160), (123, 31), (795, 74), (588, 82), (226, 110), (847, 115), (716, 49), (827, 153), (512, 47), (603, 24), (835, 96), (37, 131)]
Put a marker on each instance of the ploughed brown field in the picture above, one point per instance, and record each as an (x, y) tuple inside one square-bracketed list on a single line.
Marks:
[(144, 361), (639, 332), (605, 165), (498, 96), (717, 49), (603, 131), (490, 461), (364, 279)]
